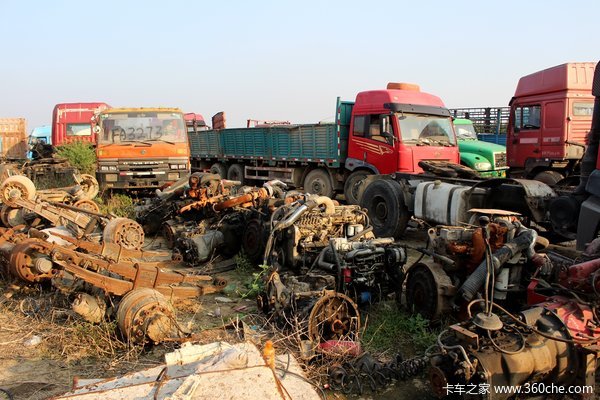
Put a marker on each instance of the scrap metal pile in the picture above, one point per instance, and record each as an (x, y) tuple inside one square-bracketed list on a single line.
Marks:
[(323, 262), (97, 257)]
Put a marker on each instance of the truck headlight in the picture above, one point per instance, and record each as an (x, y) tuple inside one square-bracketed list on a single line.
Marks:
[(483, 166), (178, 166)]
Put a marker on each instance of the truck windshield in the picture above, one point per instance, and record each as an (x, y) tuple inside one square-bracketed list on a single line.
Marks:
[(79, 130), (426, 129), (141, 127), (465, 132)]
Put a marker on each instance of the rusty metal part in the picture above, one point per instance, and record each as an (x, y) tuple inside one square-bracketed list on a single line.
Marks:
[(15, 188), (88, 205), (146, 314), (77, 221), (11, 216), (89, 185), (254, 238), (429, 291), (124, 232), (86, 188), (90, 308), (114, 251), (115, 278), (29, 263), (333, 317), (245, 200)]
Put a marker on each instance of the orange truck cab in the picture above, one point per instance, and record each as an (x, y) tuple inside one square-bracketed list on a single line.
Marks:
[(140, 148), (550, 116)]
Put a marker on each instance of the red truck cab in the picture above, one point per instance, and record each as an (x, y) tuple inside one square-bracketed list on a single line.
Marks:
[(393, 129), (194, 122), (71, 122), (550, 116)]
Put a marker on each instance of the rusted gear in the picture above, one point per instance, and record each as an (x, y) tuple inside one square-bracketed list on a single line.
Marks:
[(146, 314), (438, 380), (29, 262), (11, 217), (334, 316), (88, 205), (15, 188), (124, 232)]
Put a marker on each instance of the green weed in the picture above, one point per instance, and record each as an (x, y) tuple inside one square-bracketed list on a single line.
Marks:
[(390, 329), (80, 155), (118, 204)]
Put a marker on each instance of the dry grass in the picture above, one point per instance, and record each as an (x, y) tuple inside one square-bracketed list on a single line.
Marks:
[(69, 347)]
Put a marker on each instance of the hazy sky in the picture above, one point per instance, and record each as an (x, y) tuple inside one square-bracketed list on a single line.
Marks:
[(278, 59)]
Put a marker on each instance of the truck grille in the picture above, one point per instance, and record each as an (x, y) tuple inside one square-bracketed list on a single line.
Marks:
[(500, 160)]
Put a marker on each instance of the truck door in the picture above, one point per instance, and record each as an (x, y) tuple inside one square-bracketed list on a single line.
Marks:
[(526, 140), (553, 132), (373, 142)]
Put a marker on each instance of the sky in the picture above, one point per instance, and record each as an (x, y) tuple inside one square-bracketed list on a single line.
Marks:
[(278, 60)]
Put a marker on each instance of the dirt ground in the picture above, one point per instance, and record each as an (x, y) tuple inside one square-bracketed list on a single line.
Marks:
[(44, 346)]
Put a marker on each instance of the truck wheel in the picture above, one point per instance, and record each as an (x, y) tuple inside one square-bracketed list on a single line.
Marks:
[(318, 182), (17, 187), (550, 178), (384, 202), (219, 169), (236, 173), (352, 186)]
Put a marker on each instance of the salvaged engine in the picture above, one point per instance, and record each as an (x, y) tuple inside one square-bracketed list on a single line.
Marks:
[(458, 269), (553, 342), (301, 229), (365, 270), (313, 235)]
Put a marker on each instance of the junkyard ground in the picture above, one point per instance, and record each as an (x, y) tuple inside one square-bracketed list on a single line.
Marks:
[(69, 347)]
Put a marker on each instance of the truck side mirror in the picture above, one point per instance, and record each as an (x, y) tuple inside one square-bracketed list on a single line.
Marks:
[(389, 137)]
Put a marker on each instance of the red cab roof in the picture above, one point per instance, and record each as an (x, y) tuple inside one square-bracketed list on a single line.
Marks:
[(374, 99), (569, 76)]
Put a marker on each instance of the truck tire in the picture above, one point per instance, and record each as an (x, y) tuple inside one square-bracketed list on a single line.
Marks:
[(236, 173), (550, 178), (318, 182), (384, 202), (352, 184), (219, 169)]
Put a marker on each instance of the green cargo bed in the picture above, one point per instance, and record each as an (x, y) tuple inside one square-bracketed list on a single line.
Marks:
[(322, 143)]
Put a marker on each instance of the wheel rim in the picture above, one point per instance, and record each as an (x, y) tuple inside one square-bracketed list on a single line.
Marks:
[(317, 186), (16, 188), (126, 233), (381, 208), (23, 262)]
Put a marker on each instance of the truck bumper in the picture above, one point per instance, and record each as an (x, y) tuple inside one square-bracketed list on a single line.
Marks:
[(138, 180), (493, 174)]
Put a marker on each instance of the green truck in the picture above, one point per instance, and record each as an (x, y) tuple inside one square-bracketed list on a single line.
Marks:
[(488, 159)]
